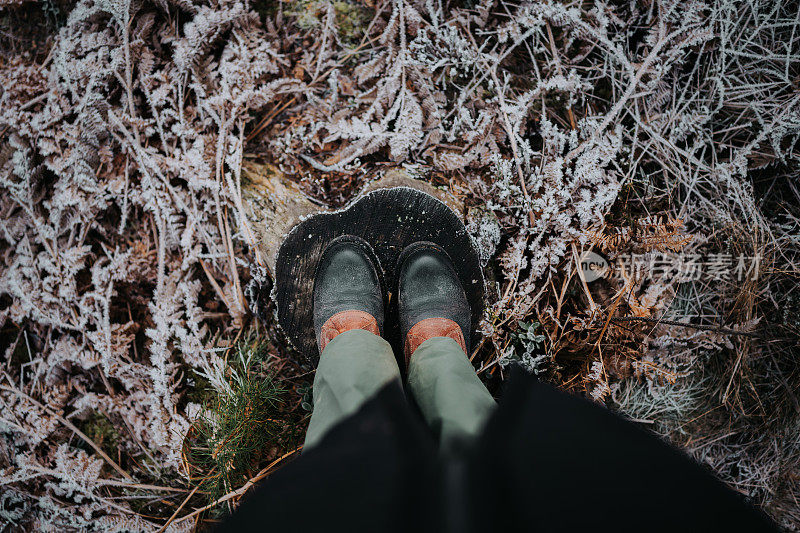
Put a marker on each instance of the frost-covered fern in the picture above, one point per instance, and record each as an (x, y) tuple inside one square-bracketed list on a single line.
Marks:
[(125, 250)]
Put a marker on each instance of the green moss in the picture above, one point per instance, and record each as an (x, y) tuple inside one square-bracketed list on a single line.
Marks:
[(198, 388), (352, 18), (102, 432)]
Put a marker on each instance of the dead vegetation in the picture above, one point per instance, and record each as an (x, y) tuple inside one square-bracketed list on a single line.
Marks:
[(662, 135)]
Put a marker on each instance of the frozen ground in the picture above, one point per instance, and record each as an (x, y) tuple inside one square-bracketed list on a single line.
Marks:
[(662, 134)]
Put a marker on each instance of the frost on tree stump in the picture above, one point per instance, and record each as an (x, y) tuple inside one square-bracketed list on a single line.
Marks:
[(291, 231)]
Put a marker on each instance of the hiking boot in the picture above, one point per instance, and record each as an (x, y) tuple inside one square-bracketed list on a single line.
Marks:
[(348, 290), (431, 299)]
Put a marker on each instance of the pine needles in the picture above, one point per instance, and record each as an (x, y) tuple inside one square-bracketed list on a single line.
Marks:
[(239, 427)]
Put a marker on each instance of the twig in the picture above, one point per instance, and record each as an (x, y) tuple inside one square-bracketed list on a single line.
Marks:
[(704, 327), (268, 118), (570, 115), (72, 427), (33, 101), (241, 490), (512, 138), (215, 285), (178, 510), (629, 92), (141, 486)]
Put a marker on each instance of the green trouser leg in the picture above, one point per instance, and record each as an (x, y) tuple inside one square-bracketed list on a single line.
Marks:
[(357, 364), (353, 368), (453, 401)]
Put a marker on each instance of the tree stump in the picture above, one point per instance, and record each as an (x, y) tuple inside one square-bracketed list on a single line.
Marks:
[(291, 231)]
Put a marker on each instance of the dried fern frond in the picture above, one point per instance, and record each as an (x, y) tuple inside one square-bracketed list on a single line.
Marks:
[(647, 234)]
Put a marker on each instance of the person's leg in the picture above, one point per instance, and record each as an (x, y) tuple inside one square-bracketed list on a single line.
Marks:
[(377, 470), (452, 399), (435, 319), (353, 367), (355, 362)]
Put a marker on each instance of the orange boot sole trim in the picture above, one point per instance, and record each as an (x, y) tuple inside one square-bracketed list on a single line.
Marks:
[(345, 321), (429, 328)]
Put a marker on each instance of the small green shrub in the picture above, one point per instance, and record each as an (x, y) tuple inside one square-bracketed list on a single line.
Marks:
[(527, 348), (239, 425)]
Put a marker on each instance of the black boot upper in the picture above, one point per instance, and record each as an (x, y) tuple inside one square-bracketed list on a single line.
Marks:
[(348, 278), (428, 287)]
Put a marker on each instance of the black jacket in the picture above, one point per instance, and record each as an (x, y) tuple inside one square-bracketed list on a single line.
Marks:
[(547, 461)]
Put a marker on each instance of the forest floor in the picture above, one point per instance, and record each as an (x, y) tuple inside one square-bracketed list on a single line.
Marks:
[(145, 386)]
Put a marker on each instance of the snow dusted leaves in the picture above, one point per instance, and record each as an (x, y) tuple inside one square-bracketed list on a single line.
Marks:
[(79, 473), (402, 104), (205, 30), (120, 183), (123, 236), (565, 197), (485, 232)]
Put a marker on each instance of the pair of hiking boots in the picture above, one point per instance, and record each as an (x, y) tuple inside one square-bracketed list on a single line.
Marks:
[(349, 294)]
